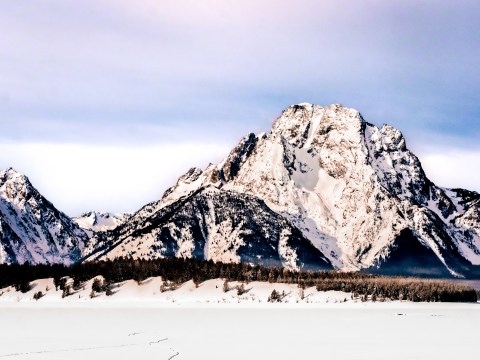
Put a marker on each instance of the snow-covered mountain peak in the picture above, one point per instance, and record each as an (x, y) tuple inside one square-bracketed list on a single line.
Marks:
[(16, 188), (31, 228), (191, 175), (101, 221), (392, 138), (187, 183), (8, 172), (305, 124), (229, 168), (11, 174)]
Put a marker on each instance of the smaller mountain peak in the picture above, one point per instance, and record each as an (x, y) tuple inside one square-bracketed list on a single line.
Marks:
[(11, 174), (392, 137), (89, 214), (191, 175), (230, 167), (100, 220)]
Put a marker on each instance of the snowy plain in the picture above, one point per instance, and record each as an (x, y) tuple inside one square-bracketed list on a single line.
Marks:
[(138, 321)]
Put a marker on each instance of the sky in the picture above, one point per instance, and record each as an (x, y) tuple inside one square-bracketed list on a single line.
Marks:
[(105, 103)]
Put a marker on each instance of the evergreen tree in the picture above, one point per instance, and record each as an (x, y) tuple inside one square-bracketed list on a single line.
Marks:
[(97, 285), (38, 295), (66, 291), (226, 288)]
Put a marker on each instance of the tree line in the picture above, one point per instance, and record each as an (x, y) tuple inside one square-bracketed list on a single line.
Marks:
[(180, 270)]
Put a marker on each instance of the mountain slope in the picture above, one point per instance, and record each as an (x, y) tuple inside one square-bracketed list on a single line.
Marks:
[(32, 229), (352, 189), (217, 225)]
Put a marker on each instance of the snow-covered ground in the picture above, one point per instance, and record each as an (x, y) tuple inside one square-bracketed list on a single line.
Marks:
[(149, 291), (141, 322), (332, 331)]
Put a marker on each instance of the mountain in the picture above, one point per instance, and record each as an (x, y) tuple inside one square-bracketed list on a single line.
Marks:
[(218, 225), (32, 229), (95, 221), (323, 189)]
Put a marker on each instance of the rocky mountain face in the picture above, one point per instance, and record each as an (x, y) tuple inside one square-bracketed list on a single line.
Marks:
[(346, 188), (31, 229)]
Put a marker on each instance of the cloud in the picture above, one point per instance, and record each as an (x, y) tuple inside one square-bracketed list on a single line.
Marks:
[(117, 62), (456, 169), (86, 77), (79, 178)]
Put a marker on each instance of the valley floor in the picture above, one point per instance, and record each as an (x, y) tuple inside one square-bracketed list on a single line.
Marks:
[(139, 321), (331, 331)]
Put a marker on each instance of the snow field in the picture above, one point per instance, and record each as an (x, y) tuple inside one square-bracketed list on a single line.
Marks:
[(420, 331), (139, 321)]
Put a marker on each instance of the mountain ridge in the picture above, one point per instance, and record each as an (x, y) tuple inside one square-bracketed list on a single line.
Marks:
[(349, 191)]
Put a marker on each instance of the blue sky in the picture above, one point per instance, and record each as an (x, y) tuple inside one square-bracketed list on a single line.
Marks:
[(103, 104)]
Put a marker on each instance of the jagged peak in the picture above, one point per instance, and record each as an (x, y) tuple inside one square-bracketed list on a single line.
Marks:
[(393, 138), (100, 220), (301, 123), (10, 170), (88, 214), (100, 213), (10, 173), (17, 183), (191, 175), (309, 107), (229, 168)]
